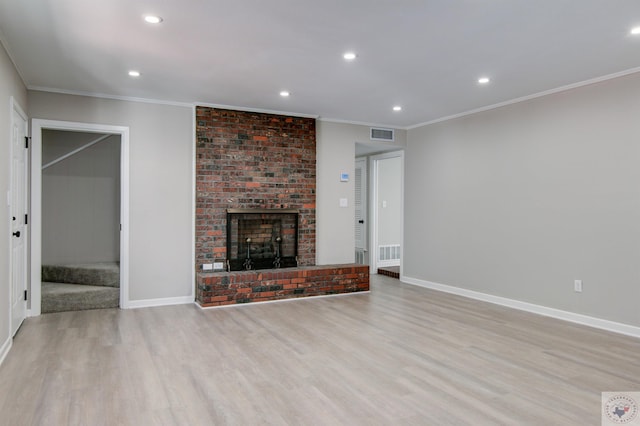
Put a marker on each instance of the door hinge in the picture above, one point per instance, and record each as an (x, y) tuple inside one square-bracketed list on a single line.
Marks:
[(25, 295), (26, 141), (26, 219)]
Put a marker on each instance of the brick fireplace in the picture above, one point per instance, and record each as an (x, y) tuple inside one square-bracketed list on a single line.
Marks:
[(258, 162)]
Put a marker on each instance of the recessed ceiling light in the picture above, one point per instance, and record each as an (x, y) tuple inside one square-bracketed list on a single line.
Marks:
[(483, 80), (635, 30), (134, 73), (349, 56), (152, 19), (285, 94), (397, 108)]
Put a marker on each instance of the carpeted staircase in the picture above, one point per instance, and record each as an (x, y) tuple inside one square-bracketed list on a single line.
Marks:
[(80, 287)]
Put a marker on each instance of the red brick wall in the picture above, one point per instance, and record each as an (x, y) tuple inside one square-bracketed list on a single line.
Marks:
[(230, 288), (253, 160)]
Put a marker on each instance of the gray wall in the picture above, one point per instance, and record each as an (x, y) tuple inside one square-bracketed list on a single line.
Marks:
[(389, 192), (161, 181), (161, 168), (80, 199), (10, 85), (522, 200), (335, 155)]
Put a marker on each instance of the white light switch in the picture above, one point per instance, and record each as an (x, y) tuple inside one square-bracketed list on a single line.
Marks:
[(577, 286), (344, 202), (207, 266), (384, 204)]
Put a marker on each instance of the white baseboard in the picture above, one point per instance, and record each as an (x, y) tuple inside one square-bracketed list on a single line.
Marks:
[(603, 324), (291, 299), (148, 303), (4, 350)]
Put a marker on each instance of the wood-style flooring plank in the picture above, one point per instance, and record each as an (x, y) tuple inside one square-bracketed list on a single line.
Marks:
[(399, 355)]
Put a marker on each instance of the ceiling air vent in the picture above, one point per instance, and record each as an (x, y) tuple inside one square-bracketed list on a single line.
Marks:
[(381, 134)]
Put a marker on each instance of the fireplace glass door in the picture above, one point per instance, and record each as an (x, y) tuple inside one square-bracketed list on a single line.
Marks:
[(262, 239)]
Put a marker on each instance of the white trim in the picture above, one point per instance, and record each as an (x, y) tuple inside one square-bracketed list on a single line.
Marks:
[(166, 301), (6, 347), (37, 125), (124, 216), (373, 215), (290, 299), (194, 195), (260, 110), (11, 57), (589, 321), (363, 123), (529, 97), (335, 120), (165, 102), (35, 248), (106, 96)]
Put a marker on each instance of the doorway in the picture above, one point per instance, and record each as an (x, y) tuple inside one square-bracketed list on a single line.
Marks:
[(387, 177), (360, 206), (80, 209)]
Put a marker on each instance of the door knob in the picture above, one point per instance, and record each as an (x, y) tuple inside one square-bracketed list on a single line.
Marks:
[(17, 234)]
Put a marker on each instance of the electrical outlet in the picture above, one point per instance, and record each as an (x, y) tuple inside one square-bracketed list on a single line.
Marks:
[(207, 266), (577, 286), (218, 265)]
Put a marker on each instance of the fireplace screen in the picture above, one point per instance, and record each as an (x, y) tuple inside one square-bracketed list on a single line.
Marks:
[(261, 239)]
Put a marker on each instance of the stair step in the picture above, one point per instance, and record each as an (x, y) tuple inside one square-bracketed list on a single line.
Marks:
[(106, 274), (62, 297)]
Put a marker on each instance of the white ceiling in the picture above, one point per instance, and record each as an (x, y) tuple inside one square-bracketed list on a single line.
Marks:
[(425, 55)]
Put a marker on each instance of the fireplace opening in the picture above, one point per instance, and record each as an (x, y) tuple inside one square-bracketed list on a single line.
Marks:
[(262, 239)]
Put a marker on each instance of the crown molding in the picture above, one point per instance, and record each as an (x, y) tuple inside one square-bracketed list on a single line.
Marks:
[(362, 123), (107, 96), (529, 97), (259, 110)]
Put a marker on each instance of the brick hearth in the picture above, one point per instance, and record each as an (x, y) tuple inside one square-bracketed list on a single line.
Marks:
[(228, 288)]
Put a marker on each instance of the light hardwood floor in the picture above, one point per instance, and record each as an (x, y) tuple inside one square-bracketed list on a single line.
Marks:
[(399, 355)]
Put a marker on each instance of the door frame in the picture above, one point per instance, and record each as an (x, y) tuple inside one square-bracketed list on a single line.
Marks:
[(17, 109), (364, 193), (37, 126), (373, 208)]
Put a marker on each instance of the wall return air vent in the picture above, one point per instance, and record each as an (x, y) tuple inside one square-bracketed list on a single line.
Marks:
[(381, 134)]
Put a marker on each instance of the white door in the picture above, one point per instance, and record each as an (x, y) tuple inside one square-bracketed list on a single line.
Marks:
[(18, 216), (360, 205)]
